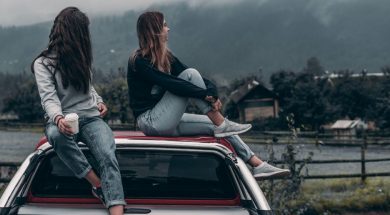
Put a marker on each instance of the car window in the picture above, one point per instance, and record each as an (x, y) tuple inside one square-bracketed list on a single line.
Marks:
[(146, 174)]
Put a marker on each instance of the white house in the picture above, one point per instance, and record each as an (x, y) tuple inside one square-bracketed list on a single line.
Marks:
[(347, 129)]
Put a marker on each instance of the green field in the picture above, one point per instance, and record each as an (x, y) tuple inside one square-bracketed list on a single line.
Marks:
[(343, 196)]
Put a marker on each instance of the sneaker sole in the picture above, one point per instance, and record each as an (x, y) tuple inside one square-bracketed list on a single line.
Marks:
[(272, 175), (232, 133)]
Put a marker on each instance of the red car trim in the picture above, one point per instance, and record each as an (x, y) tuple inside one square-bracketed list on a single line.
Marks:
[(227, 202), (222, 202)]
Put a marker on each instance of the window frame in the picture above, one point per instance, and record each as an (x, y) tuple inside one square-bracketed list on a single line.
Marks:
[(166, 201)]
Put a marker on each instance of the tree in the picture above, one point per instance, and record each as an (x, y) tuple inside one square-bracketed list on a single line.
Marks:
[(382, 108), (306, 102), (283, 85), (24, 101), (313, 67), (301, 94), (114, 91), (355, 97)]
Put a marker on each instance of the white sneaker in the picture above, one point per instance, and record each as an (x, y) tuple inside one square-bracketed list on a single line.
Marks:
[(228, 128), (266, 170)]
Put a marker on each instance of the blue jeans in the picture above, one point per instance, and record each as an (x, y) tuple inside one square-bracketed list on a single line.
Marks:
[(96, 134), (168, 117)]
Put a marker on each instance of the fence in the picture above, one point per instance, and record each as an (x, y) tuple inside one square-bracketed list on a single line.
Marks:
[(363, 174), (360, 142)]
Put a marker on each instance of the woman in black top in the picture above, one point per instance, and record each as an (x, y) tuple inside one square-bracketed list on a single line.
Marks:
[(160, 87)]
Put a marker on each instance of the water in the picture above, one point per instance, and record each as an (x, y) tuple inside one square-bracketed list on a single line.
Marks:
[(16, 145), (332, 153)]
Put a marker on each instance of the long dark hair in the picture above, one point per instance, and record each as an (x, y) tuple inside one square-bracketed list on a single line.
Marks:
[(151, 43), (70, 49)]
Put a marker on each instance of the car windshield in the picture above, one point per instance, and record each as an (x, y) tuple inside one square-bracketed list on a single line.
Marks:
[(146, 174)]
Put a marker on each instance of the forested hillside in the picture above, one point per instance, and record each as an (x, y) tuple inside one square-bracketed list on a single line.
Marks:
[(235, 39)]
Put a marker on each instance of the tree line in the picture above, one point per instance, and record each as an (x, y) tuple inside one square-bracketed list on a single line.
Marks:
[(20, 95), (316, 97), (312, 95)]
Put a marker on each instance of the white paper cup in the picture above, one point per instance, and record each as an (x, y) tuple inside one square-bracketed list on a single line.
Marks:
[(73, 120)]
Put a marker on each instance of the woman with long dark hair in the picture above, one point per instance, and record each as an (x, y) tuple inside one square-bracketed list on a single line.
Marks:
[(63, 75), (159, 89)]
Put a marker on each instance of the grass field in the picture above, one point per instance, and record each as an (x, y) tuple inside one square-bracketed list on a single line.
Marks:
[(345, 196)]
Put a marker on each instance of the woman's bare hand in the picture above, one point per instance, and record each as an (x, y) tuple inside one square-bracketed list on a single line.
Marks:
[(217, 105), (210, 99), (102, 109), (64, 127)]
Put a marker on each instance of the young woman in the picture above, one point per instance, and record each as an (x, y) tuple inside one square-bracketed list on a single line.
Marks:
[(159, 89), (63, 75)]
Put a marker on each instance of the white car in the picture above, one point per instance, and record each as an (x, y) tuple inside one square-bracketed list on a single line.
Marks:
[(160, 175)]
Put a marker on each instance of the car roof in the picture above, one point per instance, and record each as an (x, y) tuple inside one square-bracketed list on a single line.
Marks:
[(138, 135)]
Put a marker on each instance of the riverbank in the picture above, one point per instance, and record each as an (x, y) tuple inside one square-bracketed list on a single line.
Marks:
[(22, 127)]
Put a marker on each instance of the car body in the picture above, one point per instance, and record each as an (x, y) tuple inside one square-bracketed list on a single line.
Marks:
[(160, 175)]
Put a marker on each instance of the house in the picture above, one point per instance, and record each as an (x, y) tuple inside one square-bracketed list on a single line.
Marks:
[(347, 129), (255, 101)]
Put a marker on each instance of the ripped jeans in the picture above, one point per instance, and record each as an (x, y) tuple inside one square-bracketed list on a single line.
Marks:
[(168, 117)]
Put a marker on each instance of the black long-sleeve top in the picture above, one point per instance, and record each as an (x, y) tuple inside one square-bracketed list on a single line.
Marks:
[(143, 79)]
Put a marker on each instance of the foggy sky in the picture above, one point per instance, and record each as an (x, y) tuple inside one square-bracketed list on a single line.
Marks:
[(26, 12)]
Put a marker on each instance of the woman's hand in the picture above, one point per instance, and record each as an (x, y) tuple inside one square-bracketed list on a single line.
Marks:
[(210, 99), (64, 127), (217, 105), (102, 109)]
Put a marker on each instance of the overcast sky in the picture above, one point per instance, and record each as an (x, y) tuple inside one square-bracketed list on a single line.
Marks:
[(25, 12)]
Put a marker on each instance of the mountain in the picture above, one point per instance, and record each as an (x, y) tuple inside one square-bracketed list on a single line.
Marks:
[(226, 41)]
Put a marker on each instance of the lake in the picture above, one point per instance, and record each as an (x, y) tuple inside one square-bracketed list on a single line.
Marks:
[(16, 145)]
